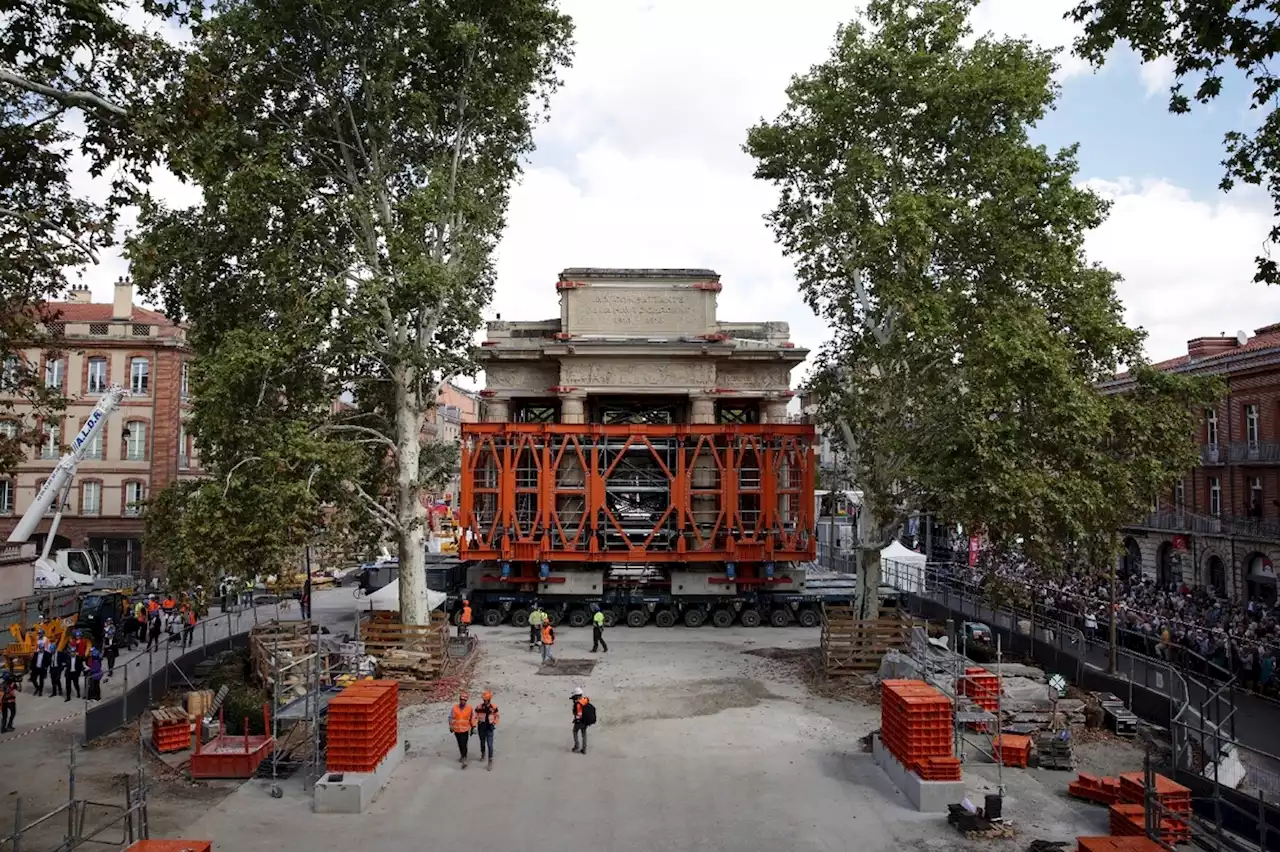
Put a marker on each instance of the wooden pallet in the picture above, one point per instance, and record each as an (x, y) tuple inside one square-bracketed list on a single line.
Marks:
[(853, 646), (277, 644), (411, 654)]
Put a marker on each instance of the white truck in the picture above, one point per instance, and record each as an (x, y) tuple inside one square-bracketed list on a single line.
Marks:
[(69, 566)]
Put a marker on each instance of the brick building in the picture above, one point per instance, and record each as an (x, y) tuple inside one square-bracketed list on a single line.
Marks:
[(144, 445), (1220, 525), (456, 406)]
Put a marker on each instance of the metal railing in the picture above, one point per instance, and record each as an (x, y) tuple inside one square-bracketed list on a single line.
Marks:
[(1256, 451)]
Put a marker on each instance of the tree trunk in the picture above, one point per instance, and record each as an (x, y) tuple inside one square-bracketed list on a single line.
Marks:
[(409, 509), (868, 565)]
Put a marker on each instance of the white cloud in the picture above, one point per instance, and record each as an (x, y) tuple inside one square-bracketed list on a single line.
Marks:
[(641, 165), (1157, 75)]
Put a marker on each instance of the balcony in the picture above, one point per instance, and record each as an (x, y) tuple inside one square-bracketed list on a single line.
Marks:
[(1257, 452), (1263, 528), (1190, 522), (1211, 454)]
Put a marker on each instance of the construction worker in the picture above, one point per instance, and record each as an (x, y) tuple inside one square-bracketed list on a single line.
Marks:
[(248, 592), (548, 639), (462, 721), (486, 724), (154, 628), (537, 618), (41, 662), (152, 605), (597, 631), (464, 619), (584, 716), (188, 624), (8, 702), (110, 646), (93, 683), (168, 603)]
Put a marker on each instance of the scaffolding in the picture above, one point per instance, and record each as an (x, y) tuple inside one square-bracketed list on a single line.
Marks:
[(81, 830)]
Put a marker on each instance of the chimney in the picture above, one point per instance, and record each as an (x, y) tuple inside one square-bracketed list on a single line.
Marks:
[(80, 294), (122, 303), (1207, 347)]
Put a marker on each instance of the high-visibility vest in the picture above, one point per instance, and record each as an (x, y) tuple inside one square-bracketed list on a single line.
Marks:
[(466, 615), (598, 619), (487, 714), (462, 719), (537, 617), (191, 617), (547, 637)]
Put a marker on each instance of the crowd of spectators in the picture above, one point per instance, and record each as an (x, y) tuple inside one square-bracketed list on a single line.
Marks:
[(1194, 627)]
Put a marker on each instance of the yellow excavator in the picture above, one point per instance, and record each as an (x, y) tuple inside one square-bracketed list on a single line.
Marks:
[(20, 650)]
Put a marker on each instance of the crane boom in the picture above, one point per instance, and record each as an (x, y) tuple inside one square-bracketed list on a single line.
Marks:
[(65, 470)]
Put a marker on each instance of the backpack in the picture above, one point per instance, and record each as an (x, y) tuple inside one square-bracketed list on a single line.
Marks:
[(588, 714)]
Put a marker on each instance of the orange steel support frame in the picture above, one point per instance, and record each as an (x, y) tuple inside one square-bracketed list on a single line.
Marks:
[(559, 493)]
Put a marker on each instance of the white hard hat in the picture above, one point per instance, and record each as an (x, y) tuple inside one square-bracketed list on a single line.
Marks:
[(577, 692)]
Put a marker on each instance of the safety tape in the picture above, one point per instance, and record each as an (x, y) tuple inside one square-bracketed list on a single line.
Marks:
[(20, 734)]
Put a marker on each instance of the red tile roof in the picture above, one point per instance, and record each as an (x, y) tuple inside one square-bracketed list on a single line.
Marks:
[(100, 312), (1267, 337)]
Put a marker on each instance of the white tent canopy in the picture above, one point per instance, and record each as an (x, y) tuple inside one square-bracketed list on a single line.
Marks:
[(388, 597), (902, 568)]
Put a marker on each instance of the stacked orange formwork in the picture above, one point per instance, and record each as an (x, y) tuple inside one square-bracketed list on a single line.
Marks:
[(1174, 805), (1011, 749), (1102, 791), (363, 725), (170, 730), (916, 728), (171, 846), (1118, 844), (983, 688)]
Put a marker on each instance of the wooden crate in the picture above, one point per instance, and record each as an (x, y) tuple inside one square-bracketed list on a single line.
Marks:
[(276, 645), (411, 654), (852, 646)]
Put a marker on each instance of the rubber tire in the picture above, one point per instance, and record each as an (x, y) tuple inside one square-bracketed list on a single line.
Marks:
[(809, 618), (778, 618), (554, 618), (520, 618), (722, 618), (664, 618), (579, 618), (637, 618), (610, 617), (749, 617), (695, 617), (491, 617)]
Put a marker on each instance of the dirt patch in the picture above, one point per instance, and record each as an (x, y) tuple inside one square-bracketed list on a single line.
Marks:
[(695, 698), (568, 668), (805, 665)]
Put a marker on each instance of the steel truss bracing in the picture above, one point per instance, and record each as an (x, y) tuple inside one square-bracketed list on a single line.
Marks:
[(637, 494)]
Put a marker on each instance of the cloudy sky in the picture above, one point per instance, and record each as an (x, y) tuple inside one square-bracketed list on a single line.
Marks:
[(641, 165)]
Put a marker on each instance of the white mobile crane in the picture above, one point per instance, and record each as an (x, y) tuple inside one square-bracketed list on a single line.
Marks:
[(67, 567)]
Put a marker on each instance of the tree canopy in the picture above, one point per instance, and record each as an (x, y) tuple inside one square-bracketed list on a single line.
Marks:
[(946, 253), (355, 160), (1208, 41)]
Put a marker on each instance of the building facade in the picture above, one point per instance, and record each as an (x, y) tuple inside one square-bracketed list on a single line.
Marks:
[(144, 444), (454, 407), (1220, 525), (638, 346)]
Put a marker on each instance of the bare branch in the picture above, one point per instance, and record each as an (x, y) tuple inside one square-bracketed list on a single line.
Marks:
[(376, 437), (380, 512), (70, 237), (234, 468), (81, 99)]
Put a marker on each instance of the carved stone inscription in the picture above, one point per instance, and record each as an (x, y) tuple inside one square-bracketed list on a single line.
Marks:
[(771, 377), (685, 375), (640, 311), (519, 377)]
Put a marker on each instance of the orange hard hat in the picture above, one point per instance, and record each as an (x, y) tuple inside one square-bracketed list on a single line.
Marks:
[(487, 695)]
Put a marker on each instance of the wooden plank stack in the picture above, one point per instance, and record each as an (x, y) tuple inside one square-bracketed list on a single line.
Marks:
[(413, 655), (170, 729), (852, 646), (275, 644), (199, 702)]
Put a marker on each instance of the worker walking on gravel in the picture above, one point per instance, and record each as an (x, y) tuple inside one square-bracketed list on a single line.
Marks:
[(486, 725), (597, 631), (584, 716), (462, 722), (464, 618), (537, 618), (548, 639)]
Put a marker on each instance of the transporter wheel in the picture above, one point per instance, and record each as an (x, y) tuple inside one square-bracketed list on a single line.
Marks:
[(637, 618), (579, 618), (808, 618), (554, 617), (610, 617), (491, 617), (694, 618), (664, 618), (779, 618), (722, 618), (750, 618), (520, 617)]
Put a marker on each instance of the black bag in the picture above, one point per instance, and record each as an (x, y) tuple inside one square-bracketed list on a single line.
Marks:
[(588, 714)]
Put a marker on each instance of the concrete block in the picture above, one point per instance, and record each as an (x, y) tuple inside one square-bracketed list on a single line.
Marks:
[(695, 583), (575, 583), (930, 797), (352, 792)]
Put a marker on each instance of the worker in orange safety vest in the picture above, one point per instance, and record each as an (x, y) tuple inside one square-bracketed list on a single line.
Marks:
[(486, 725), (462, 722), (548, 639), (464, 618)]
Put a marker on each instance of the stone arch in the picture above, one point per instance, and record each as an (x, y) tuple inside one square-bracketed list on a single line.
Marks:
[(1215, 573), (1131, 560), (1260, 577)]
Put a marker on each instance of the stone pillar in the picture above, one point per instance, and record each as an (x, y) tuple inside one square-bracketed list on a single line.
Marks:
[(573, 409), (496, 411), (702, 410), (774, 412)]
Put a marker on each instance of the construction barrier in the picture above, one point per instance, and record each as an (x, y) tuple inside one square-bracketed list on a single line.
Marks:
[(852, 646)]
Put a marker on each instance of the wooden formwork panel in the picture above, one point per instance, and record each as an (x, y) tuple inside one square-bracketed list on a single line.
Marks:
[(411, 654), (852, 646)]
